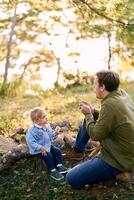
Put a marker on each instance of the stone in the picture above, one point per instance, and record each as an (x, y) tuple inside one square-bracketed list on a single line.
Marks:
[(6, 144)]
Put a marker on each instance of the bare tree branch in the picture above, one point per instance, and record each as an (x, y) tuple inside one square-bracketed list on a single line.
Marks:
[(98, 12)]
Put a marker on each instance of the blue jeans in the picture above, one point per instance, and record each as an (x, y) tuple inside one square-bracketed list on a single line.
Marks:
[(52, 158), (89, 172), (82, 138)]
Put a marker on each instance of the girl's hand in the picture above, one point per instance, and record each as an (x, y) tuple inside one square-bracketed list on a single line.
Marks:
[(43, 150)]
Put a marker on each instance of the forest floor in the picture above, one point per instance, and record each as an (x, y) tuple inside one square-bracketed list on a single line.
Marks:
[(22, 180)]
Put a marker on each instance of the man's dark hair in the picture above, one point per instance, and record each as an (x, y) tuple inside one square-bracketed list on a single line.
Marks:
[(108, 78)]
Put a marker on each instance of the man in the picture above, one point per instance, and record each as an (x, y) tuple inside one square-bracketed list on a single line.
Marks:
[(114, 129)]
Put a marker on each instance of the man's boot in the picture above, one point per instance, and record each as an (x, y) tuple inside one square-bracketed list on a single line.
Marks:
[(74, 154)]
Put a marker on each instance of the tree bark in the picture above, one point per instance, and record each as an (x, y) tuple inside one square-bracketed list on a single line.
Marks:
[(58, 71), (9, 48), (109, 50)]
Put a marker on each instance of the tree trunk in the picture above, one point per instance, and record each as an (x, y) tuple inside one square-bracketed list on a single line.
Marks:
[(109, 50), (58, 71), (9, 44)]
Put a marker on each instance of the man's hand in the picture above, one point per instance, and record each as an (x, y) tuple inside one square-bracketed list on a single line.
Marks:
[(86, 108), (43, 150)]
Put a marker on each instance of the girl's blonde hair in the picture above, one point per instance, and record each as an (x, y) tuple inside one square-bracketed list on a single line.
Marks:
[(36, 113)]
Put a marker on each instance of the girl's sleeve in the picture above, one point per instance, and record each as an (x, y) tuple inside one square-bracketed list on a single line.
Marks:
[(32, 143)]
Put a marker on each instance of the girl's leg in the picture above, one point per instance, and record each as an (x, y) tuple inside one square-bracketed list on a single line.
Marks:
[(48, 158), (56, 153)]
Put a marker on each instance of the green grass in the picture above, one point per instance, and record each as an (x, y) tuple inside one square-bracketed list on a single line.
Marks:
[(22, 181), (59, 104)]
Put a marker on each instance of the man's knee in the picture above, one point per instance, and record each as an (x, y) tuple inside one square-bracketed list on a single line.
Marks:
[(72, 181)]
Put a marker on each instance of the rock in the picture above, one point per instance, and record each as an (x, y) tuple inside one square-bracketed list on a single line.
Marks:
[(65, 123), (59, 141), (20, 151), (64, 129), (20, 130), (69, 140), (6, 144)]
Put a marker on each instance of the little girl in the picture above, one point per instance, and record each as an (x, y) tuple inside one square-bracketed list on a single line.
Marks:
[(39, 138)]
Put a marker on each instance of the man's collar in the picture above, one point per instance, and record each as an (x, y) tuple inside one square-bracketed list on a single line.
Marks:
[(111, 94)]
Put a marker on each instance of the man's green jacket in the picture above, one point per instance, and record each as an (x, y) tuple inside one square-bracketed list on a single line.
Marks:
[(115, 130)]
